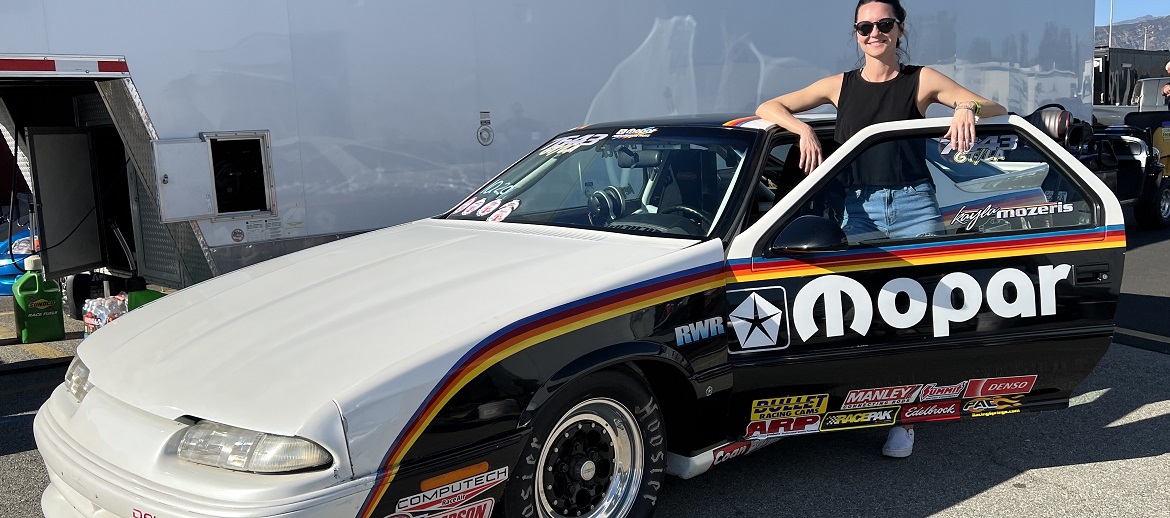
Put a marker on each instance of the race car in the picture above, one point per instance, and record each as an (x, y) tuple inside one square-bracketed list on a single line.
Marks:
[(628, 301)]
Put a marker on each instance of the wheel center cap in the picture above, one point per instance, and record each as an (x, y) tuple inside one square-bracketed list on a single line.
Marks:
[(588, 470)]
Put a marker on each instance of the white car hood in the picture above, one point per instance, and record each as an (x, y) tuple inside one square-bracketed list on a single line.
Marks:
[(265, 347)]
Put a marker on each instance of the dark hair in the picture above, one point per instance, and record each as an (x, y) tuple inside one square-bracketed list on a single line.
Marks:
[(899, 13)]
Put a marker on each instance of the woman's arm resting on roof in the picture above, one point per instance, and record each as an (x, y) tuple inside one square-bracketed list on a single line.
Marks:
[(781, 111), (938, 88)]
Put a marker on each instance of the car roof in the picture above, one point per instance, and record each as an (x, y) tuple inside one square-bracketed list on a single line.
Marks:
[(709, 120)]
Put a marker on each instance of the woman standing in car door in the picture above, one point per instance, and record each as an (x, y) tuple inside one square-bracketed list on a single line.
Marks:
[(896, 199)]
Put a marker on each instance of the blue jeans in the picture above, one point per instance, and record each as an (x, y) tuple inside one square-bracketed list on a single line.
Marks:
[(875, 212)]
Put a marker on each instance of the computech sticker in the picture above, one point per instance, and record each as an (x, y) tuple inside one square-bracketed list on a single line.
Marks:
[(474, 206), (783, 427), (570, 143), (933, 392), (488, 208), (999, 386), (933, 411), (453, 494), (996, 405), (867, 418), (635, 132), (866, 398), (790, 406)]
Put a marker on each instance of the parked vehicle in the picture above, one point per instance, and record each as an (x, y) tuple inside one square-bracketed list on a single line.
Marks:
[(14, 249), (1127, 157), (629, 300)]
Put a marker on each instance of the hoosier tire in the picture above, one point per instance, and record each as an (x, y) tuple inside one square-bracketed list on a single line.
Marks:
[(597, 449)]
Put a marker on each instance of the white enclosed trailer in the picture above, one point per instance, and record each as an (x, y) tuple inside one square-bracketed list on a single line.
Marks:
[(219, 133)]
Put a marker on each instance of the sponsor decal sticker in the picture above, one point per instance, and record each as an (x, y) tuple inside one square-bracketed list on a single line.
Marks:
[(790, 406), (488, 208), (867, 418), (473, 207), (993, 404), (480, 509), (969, 218), (987, 149), (880, 396), (737, 449), (238, 235), (932, 392), (634, 132), (504, 211), (783, 427), (700, 330), (571, 143), (757, 323), (1034, 210), (41, 304), (453, 494), (462, 206), (933, 411), (834, 289), (999, 386)]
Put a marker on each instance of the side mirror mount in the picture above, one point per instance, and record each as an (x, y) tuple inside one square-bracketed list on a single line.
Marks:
[(809, 234)]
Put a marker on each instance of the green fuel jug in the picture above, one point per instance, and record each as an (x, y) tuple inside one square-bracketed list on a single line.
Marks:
[(37, 305)]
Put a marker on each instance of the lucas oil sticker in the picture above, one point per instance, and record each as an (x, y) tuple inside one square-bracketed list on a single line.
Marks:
[(453, 494)]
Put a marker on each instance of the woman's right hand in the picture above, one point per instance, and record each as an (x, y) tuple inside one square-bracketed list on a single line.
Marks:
[(810, 151)]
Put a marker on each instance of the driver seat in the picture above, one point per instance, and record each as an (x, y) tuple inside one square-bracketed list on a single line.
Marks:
[(690, 179)]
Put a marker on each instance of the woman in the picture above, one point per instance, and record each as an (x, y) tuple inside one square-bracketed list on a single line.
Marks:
[(897, 199)]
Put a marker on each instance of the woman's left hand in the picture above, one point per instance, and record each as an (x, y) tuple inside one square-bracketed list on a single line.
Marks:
[(962, 132)]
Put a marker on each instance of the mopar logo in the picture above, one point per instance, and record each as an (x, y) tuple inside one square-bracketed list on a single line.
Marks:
[(700, 330), (833, 289)]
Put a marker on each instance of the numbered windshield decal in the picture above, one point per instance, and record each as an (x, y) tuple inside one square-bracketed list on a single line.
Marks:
[(571, 143), (988, 149)]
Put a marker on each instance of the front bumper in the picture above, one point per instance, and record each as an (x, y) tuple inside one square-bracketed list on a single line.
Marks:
[(83, 485)]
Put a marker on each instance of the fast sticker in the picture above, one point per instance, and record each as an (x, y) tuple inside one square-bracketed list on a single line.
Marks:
[(453, 494), (999, 404), (791, 406), (783, 427), (634, 133), (571, 143), (880, 396), (488, 208), (868, 418)]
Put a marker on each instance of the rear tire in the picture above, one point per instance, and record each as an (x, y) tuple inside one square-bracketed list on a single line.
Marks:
[(597, 448), (1155, 212)]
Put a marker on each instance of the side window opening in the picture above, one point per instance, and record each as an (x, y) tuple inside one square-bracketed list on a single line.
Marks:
[(242, 173)]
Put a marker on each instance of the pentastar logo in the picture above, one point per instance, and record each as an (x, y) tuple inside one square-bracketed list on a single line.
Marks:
[(757, 323), (880, 396), (700, 330), (834, 289), (932, 392)]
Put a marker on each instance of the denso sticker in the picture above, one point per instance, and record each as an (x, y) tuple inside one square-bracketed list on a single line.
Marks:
[(867, 418), (453, 494), (933, 411), (880, 396), (783, 426), (791, 406), (700, 330), (932, 392), (488, 208), (480, 509), (999, 386), (992, 404)]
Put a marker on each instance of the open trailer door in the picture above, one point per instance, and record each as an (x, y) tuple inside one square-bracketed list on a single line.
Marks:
[(62, 170)]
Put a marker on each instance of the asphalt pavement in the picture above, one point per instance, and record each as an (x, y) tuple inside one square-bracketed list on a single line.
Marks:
[(1107, 455)]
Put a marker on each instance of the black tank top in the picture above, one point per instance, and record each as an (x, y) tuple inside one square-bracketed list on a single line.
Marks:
[(893, 164)]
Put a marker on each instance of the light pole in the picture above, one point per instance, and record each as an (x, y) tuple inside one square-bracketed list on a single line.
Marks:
[(1110, 23)]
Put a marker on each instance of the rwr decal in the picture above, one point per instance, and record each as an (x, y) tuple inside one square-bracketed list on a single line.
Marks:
[(833, 289), (701, 330)]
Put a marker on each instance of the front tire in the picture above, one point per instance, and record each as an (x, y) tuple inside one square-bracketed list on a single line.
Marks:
[(597, 449), (1155, 212)]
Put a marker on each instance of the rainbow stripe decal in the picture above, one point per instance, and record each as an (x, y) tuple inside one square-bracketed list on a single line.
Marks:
[(533, 330), (927, 253), (741, 121)]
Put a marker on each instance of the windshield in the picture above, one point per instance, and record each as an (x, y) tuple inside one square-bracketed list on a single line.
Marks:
[(655, 181)]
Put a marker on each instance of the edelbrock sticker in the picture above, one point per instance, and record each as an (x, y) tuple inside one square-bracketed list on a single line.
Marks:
[(933, 411), (866, 398), (833, 289), (791, 406), (700, 330), (453, 494)]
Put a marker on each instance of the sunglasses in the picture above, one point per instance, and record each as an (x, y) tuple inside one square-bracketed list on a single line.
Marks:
[(885, 25)]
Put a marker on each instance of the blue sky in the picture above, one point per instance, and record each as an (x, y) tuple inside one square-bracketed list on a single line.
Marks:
[(1130, 9)]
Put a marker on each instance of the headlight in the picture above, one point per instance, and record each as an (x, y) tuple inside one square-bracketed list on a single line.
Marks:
[(228, 447), (22, 246), (77, 379)]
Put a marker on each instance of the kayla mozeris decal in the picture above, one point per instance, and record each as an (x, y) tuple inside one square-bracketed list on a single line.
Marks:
[(1042, 209), (833, 289), (880, 396), (868, 418), (933, 411), (700, 330), (791, 406), (634, 133), (571, 143), (453, 494)]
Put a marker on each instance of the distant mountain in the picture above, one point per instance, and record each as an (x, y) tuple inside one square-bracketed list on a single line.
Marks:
[(1147, 32)]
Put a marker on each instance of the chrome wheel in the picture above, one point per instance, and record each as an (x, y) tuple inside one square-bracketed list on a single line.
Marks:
[(591, 464), (1164, 205)]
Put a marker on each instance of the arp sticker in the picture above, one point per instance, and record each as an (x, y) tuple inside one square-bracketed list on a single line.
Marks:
[(999, 386), (868, 418), (783, 427), (453, 494), (932, 411), (488, 208), (789, 406), (884, 396)]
